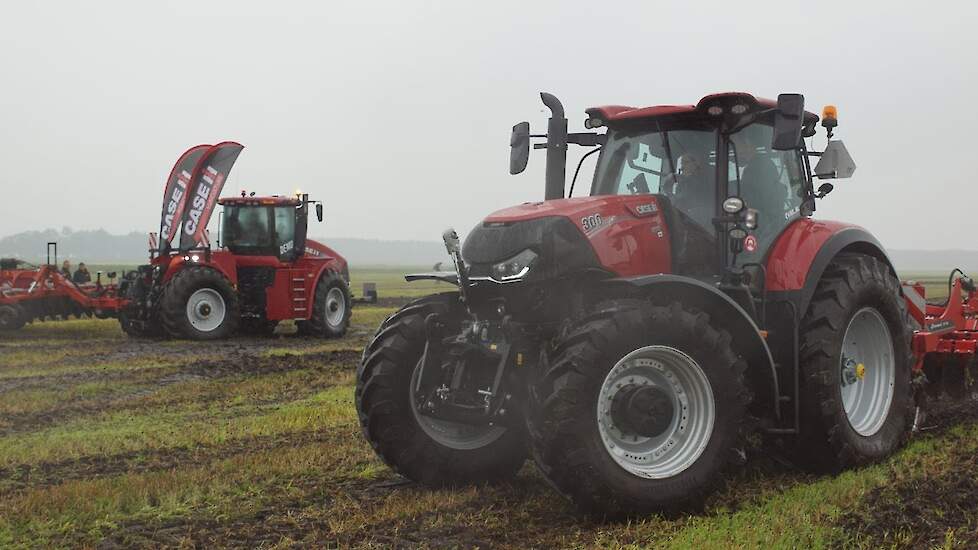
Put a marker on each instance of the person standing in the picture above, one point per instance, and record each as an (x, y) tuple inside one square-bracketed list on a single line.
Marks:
[(66, 269)]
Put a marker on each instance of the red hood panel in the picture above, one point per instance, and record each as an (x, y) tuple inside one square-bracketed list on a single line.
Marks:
[(570, 208), (627, 232)]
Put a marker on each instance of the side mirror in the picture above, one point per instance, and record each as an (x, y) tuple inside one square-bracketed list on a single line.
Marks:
[(519, 148), (319, 211), (823, 190), (788, 120), (835, 162)]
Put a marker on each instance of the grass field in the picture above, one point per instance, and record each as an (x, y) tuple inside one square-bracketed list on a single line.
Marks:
[(111, 442)]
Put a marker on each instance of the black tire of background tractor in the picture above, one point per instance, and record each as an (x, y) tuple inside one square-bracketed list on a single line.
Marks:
[(173, 304), (11, 318), (563, 427), (318, 324), (257, 326), (828, 443), (389, 423)]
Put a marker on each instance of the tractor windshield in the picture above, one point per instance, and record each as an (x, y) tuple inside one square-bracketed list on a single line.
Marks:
[(258, 230), (679, 164)]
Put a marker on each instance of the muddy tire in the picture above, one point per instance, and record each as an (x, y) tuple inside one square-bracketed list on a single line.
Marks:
[(11, 318), (639, 408), (429, 451), (199, 304), (331, 309), (856, 393)]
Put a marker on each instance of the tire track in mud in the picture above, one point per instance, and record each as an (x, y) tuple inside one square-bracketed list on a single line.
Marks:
[(304, 520), (921, 509), (237, 364), (36, 476)]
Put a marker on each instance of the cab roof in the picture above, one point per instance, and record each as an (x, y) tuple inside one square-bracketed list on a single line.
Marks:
[(258, 201), (624, 113)]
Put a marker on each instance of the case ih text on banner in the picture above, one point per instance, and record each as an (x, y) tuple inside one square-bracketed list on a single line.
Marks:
[(206, 183), (175, 194)]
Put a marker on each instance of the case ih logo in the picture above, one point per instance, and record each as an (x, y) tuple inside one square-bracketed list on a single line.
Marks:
[(209, 179), (173, 205)]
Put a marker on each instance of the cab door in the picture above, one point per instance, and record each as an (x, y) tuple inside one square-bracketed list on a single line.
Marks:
[(771, 182)]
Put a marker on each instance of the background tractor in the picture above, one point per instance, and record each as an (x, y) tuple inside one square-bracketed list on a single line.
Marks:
[(265, 270), (630, 340)]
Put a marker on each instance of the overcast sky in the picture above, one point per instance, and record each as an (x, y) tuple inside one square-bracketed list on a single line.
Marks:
[(398, 113)]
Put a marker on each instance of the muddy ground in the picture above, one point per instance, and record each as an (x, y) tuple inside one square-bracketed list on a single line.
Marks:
[(255, 443)]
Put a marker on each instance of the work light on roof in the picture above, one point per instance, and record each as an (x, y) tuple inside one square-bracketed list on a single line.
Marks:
[(714, 110), (738, 109), (593, 122)]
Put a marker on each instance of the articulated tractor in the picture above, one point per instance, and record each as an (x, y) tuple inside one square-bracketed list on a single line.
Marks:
[(633, 339)]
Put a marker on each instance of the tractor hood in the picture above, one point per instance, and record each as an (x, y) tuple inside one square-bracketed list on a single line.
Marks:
[(572, 234), (568, 208)]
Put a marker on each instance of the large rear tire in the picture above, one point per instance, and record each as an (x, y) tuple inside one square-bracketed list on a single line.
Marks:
[(856, 394), (199, 304), (331, 310), (429, 451), (639, 409)]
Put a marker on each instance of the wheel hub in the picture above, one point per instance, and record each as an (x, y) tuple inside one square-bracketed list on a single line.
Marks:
[(642, 409), (206, 309), (867, 366), (335, 307), (655, 412)]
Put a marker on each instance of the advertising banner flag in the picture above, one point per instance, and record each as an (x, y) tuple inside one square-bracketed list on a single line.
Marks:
[(175, 194), (206, 183)]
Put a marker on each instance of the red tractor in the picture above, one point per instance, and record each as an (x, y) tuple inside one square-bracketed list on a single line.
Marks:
[(264, 271), (630, 340)]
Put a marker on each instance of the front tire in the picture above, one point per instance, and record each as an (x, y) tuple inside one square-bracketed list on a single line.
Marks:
[(429, 451), (199, 304), (639, 409), (857, 402)]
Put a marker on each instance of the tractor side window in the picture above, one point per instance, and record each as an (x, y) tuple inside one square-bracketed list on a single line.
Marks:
[(641, 172), (772, 182), (284, 229)]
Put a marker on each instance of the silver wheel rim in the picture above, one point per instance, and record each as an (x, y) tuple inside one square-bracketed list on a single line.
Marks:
[(335, 307), (206, 310), (867, 371), (685, 438), (454, 435)]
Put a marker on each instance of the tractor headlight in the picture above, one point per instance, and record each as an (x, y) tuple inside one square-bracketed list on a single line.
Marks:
[(514, 268), (733, 205)]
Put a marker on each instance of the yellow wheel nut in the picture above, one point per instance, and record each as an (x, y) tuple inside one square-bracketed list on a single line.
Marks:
[(860, 371)]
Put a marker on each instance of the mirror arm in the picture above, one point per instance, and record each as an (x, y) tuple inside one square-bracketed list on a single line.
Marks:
[(586, 139)]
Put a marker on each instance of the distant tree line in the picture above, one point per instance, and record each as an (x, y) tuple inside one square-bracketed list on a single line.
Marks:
[(132, 248)]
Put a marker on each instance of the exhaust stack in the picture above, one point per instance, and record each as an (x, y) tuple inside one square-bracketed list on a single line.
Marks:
[(556, 148)]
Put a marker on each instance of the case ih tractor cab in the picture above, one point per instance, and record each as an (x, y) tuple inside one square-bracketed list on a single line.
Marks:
[(265, 269), (631, 339)]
